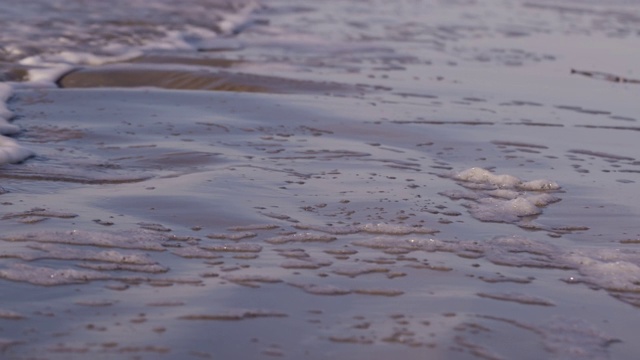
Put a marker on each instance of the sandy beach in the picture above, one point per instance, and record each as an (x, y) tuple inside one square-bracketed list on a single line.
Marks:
[(349, 180)]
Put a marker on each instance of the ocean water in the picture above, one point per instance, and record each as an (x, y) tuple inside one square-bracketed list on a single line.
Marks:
[(356, 179)]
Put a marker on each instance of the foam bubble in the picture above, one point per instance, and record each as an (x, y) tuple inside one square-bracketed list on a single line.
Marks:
[(503, 198), (539, 185), (485, 177), (490, 209), (611, 269), (542, 200), (482, 176), (503, 194)]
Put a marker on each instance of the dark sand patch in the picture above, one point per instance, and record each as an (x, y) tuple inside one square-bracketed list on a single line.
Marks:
[(194, 79)]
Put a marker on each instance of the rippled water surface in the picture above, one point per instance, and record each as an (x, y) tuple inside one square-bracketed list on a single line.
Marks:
[(340, 179)]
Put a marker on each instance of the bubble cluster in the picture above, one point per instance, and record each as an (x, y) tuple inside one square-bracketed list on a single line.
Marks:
[(503, 198)]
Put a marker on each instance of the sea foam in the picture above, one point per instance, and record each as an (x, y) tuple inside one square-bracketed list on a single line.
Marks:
[(482, 176), (10, 150), (503, 198)]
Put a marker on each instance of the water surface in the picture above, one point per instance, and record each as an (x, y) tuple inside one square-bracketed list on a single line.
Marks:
[(279, 179)]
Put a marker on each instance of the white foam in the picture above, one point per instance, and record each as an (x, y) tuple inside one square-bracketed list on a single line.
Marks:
[(539, 185), (485, 177), (495, 210), (614, 270), (503, 194), (482, 176), (46, 69), (234, 22), (542, 200), (611, 269), (11, 152), (502, 198)]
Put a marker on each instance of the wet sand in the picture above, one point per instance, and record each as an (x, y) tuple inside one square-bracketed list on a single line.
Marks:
[(290, 198)]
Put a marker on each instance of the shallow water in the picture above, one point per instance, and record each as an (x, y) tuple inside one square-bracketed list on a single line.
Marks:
[(307, 182)]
